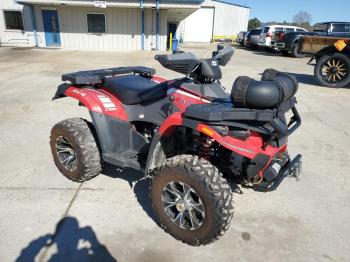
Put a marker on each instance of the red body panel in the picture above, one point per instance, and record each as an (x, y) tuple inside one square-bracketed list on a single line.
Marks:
[(98, 101), (249, 148), (172, 121), (103, 102)]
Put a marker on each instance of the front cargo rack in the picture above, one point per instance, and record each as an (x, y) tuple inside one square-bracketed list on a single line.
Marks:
[(95, 76)]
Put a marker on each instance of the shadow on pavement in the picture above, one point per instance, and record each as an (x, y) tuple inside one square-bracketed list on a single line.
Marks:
[(137, 182), (305, 79), (309, 80), (72, 243), (140, 185)]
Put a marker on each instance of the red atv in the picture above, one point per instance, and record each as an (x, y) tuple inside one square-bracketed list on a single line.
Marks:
[(187, 134)]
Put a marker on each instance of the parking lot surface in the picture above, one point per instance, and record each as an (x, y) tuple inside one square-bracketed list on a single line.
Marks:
[(109, 217)]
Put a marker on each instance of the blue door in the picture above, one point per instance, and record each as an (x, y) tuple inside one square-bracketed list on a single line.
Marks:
[(51, 28)]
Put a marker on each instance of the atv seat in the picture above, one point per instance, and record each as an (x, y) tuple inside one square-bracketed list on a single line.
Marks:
[(134, 89)]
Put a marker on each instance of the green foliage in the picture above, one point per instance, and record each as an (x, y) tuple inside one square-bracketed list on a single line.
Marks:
[(254, 23)]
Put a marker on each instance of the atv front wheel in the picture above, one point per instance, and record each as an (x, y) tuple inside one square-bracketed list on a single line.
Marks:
[(75, 150), (191, 199)]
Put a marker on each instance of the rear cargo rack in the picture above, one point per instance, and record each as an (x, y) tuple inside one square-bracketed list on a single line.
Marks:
[(95, 76)]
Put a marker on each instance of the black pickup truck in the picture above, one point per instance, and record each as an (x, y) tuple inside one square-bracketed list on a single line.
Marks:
[(288, 43)]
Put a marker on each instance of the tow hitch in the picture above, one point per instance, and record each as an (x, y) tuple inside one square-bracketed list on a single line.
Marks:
[(292, 169)]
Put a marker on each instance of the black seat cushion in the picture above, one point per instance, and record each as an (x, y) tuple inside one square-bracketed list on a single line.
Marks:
[(134, 89)]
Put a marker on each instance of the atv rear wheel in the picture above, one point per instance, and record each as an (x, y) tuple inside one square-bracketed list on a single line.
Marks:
[(75, 150), (191, 199)]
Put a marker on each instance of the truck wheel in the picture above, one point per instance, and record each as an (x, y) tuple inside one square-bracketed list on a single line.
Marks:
[(295, 52), (74, 149), (333, 70), (191, 199)]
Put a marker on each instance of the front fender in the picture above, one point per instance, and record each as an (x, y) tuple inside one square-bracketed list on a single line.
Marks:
[(98, 101)]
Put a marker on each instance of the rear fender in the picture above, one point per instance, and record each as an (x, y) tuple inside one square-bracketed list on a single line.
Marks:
[(250, 148), (98, 101)]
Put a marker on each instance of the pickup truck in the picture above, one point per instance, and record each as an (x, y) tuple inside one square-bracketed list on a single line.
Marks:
[(288, 43)]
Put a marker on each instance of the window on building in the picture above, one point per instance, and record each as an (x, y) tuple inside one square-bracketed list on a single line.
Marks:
[(96, 23), (13, 20)]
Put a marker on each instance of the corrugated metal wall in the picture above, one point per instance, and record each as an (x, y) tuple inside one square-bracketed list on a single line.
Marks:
[(228, 19), (123, 27), (15, 37), (151, 29)]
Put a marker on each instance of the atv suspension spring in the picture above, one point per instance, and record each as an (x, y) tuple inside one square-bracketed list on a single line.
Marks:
[(205, 148)]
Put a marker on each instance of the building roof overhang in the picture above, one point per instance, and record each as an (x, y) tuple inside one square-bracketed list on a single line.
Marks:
[(117, 3)]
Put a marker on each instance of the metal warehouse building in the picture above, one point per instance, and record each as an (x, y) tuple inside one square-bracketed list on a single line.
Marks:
[(117, 24), (214, 18)]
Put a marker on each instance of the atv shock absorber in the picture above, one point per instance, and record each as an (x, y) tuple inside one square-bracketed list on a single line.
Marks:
[(205, 148)]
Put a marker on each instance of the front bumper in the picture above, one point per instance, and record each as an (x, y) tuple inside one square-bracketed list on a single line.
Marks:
[(292, 169)]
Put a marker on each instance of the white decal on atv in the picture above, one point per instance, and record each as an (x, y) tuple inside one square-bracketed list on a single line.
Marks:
[(104, 99), (238, 148), (141, 116), (277, 167), (78, 92), (192, 96), (107, 103)]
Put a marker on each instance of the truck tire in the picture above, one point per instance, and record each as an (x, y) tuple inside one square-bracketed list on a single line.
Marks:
[(191, 199), (75, 150), (295, 52), (333, 70)]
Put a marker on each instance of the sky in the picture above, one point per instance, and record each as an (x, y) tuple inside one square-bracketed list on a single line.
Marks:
[(274, 10)]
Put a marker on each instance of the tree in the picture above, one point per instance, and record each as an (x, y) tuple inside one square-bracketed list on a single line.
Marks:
[(302, 18), (254, 23)]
